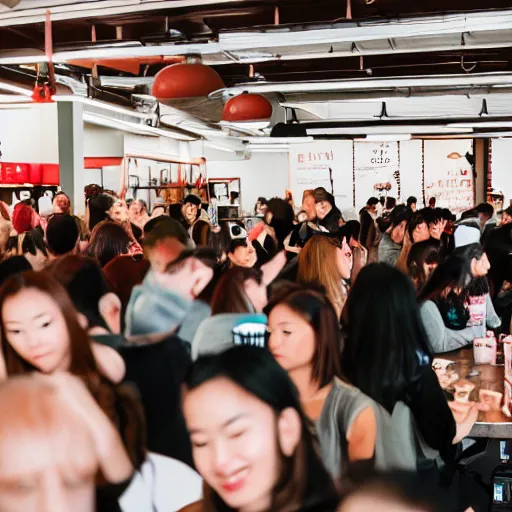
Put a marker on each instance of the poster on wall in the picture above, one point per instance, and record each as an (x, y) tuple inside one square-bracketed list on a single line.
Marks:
[(376, 171), (448, 173), (324, 163)]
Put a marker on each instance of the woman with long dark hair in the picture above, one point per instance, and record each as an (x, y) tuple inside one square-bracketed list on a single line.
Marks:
[(240, 290), (387, 356), (422, 260), (305, 340), (108, 240), (47, 337), (252, 444), (455, 304)]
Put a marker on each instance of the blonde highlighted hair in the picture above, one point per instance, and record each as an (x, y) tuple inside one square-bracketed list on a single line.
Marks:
[(318, 266)]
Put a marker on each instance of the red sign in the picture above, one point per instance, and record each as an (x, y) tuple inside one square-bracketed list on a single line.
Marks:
[(31, 174)]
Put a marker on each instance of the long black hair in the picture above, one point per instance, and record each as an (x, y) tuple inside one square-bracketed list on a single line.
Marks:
[(304, 483), (455, 273), (385, 340), (426, 252)]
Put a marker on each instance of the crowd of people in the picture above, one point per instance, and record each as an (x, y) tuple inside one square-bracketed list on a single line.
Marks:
[(289, 365)]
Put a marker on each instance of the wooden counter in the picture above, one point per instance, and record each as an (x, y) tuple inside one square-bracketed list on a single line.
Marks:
[(491, 424)]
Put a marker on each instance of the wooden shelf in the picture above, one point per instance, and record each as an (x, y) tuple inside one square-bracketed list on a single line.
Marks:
[(24, 185), (168, 186)]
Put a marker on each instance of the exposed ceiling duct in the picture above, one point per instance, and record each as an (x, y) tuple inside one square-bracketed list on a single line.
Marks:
[(468, 31)]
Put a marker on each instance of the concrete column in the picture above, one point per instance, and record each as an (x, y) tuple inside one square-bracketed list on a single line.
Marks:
[(71, 153)]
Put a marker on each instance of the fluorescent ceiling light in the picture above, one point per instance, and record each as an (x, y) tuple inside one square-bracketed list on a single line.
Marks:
[(15, 89), (7, 99), (102, 105), (246, 125), (264, 147), (377, 130), (281, 149), (370, 83), (278, 140), (140, 129), (483, 124), (388, 137), (214, 145)]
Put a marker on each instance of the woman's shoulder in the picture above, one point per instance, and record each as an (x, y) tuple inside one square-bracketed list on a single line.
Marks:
[(198, 506), (349, 401)]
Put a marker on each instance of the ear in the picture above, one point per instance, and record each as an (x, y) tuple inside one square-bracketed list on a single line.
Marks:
[(110, 309), (289, 431), (82, 320), (473, 265)]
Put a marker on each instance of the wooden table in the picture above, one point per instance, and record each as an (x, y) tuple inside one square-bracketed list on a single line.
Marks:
[(491, 424)]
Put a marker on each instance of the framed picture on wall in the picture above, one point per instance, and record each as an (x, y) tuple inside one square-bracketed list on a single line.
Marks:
[(448, 173)]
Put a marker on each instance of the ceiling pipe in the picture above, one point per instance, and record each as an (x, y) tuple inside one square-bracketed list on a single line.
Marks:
[(447, 81), (100, 8), (426, 28)]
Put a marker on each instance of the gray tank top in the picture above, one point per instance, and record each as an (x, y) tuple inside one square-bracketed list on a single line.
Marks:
[(342, 406)]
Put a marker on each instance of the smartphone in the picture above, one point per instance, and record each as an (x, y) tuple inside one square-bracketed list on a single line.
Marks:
[(502, 489)]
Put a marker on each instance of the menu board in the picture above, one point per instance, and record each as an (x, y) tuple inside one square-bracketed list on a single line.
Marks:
[(324, 163), (376, 171), (448, 174)]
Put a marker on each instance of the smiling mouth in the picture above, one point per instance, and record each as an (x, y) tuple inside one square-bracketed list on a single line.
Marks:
[(236, 482), (40, 356)]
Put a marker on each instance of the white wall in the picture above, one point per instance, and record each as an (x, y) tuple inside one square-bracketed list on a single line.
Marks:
[(101, 142), (411, 169), (29, 134), (264, 174), (501, 168)]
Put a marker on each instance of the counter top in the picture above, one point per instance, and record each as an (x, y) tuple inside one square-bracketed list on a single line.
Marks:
[(491, 424)]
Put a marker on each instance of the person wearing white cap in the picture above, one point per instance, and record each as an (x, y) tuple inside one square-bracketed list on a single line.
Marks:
[(466, 235)]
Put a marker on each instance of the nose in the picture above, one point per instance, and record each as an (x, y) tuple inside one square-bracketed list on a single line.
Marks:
[(273, 341), (52, 494), (221, 457)]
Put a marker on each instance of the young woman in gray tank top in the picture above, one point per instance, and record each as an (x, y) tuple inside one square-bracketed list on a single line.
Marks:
[(305, 340)]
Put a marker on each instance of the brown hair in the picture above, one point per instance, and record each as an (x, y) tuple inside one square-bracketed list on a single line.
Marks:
[(307, 193), (108, 240), (229, 295), (318, 267), (201, 233), (314, 307), (118, 402)]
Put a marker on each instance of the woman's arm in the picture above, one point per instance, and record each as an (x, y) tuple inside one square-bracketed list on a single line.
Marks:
[(493, 320), (362, 435), (441, 338), (110, 363)]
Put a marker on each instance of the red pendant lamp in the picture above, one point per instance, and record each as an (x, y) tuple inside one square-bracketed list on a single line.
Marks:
[(247, 107), (188, 80)]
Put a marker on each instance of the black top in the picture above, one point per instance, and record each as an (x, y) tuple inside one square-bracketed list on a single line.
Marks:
[(107, 496), (175, 213), (331, 221), (158, 371), (137, 232), (266, 251), (432, 414)]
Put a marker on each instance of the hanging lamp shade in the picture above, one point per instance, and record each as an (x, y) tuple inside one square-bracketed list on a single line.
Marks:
[(247, 107), (186, 81)]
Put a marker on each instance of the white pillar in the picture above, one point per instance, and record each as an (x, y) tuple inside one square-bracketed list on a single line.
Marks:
[(71, 153)]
